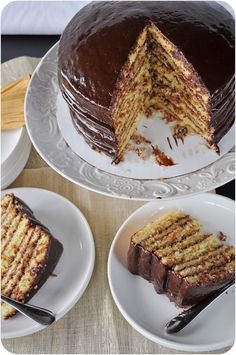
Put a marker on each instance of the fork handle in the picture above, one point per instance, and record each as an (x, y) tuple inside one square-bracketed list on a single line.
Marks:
[(181, 320), (38, 314)]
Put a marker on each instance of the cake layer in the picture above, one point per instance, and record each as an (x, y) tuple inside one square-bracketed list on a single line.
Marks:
[(164, 75), (185, 294), (179, 259), (174, 93), (29, 252), (221, 119), (168, 108)]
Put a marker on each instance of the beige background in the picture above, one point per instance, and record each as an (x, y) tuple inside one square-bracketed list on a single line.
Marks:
[(94, 324)]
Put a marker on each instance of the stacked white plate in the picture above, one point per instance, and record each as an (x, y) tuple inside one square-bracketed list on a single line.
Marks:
[(15, 144), (15, 148)]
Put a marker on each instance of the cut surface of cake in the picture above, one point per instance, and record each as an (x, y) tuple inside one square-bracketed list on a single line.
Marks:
[(175, 255), (29, 253), (118, 60)]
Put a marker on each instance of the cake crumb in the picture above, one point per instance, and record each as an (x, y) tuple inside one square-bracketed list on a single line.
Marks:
[(176, 140), (139, 139), (148, 112), (160, 157), (140, 152), (222, 236), (180, 131), (168, 140), (169, 117), (128, 147)]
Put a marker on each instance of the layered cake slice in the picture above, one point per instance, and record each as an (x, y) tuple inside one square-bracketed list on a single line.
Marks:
[(29, 252), (174, 254)]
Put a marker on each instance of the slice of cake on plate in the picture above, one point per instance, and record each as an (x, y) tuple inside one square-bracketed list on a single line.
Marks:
[(175, 255), (29, 252)]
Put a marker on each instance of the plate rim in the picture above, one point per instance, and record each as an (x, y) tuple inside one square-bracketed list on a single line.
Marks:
[(22, 130), (17, 143), (90, 267), (177, 186), (17, 163), (155, 338)]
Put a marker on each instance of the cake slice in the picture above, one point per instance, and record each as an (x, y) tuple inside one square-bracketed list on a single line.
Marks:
[(29, 252), (174, 254)]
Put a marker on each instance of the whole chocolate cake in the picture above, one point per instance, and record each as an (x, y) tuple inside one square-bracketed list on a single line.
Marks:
[(117, 60)]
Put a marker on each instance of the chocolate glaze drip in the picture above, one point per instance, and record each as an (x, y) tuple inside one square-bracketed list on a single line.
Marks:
[(95, 45)]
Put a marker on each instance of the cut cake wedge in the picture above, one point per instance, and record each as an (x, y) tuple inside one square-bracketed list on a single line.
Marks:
[(29, 252), (174, 254)]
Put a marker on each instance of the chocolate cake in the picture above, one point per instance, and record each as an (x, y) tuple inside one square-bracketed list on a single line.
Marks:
[(117, 60), (174, 254), (29, 252)]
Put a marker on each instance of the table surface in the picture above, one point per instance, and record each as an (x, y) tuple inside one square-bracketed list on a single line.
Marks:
[(94, 324)]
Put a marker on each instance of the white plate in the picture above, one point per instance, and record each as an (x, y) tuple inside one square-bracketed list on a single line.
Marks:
[(9, 140), (188, 156), (15, 144), (41, 107), (75, 267), (147, 311)]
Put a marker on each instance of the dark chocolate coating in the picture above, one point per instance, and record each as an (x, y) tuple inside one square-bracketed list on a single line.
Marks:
[(184, 294), (53, 254), (147, 265), (95, 46)]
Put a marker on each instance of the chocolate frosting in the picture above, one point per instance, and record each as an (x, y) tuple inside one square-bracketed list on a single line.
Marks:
[(95, 45)]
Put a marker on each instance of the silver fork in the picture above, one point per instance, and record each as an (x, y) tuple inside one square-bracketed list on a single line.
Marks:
[(40, 315)]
